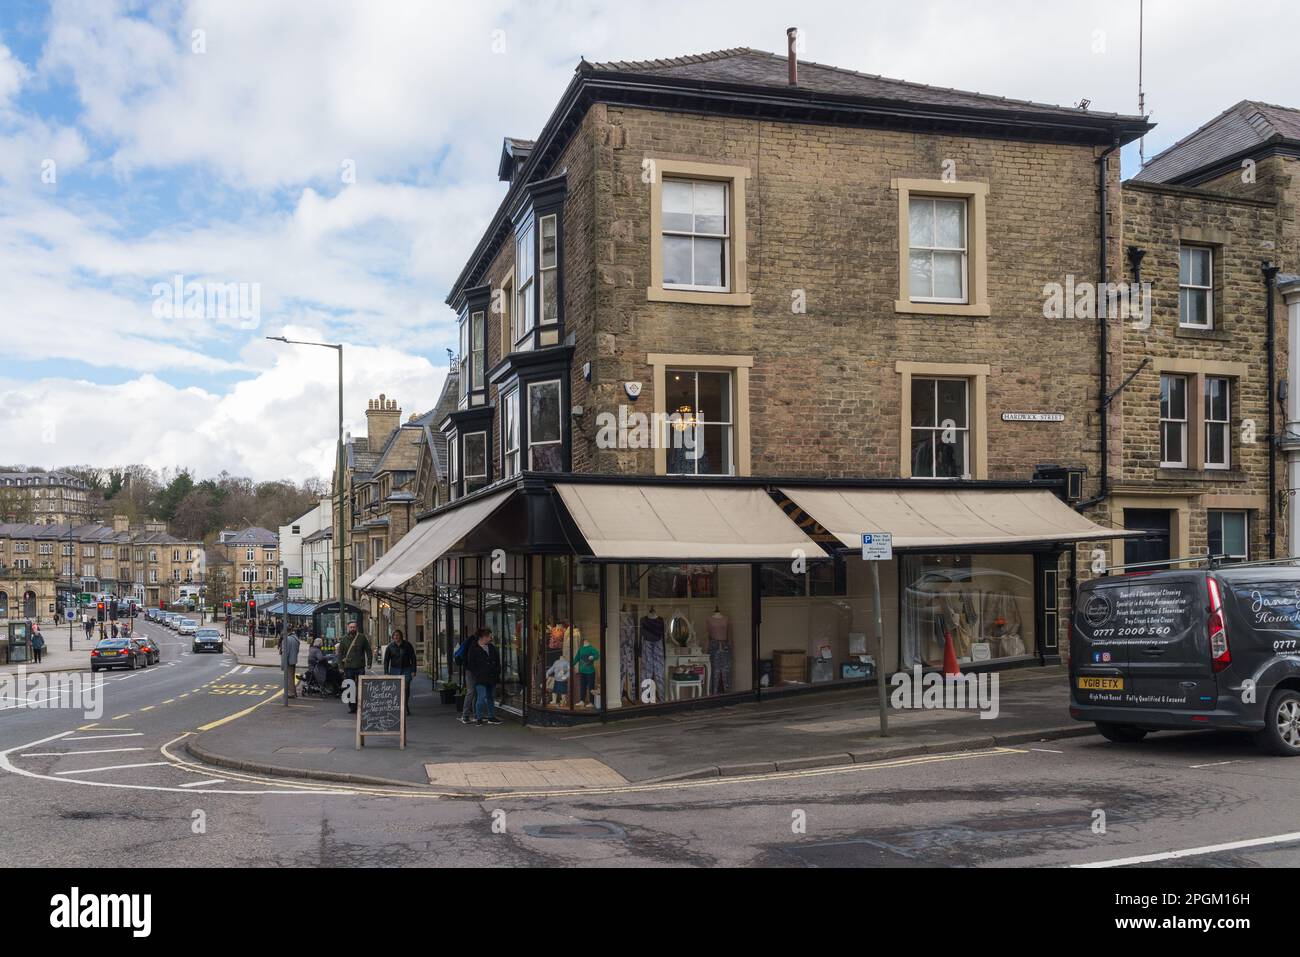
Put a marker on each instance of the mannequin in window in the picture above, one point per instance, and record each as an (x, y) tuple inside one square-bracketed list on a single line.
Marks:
[(627, 653), (719, 652)]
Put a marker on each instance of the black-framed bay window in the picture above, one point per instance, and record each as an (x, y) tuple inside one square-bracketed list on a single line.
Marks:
[(469, 449), (533, 390), (537, 320)]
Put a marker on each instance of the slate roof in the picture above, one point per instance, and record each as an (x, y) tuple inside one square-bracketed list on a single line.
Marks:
[(1239, 130), (749, 67), (253, 535)]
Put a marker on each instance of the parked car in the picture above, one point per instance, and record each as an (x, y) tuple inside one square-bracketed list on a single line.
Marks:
[(117, 653), (208, 639), (152, 651), (1216, 647), (187, 626)]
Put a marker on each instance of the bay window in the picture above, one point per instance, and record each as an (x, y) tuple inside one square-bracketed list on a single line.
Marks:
[(510, 433), (476, 470)]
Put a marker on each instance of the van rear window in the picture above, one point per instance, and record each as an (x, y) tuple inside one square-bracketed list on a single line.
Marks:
[(1137, 611), (1270, 605)]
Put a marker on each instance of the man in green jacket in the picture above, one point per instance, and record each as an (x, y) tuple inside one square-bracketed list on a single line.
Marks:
[(355, 655)]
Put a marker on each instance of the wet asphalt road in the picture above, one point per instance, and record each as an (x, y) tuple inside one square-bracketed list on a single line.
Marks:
[(85, 798)]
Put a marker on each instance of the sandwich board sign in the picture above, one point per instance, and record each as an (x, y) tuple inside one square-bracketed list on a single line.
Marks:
[(381, 708), (877, 546)]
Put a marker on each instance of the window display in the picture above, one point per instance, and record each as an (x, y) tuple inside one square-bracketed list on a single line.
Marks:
[(983, 605)]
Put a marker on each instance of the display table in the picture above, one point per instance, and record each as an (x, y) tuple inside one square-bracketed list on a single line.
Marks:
[(698, 685)]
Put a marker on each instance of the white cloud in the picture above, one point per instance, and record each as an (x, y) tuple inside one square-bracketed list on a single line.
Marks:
[(279, 423)]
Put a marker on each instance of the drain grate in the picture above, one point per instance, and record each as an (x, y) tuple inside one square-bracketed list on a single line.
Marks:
[(579, 830)]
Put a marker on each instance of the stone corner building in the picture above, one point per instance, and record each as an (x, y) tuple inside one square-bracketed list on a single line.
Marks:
[(732, 313)]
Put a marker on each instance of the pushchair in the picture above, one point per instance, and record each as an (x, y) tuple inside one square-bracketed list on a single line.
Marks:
[(325, 680)]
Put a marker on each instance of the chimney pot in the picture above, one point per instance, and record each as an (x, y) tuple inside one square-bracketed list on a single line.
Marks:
[(791, 38)]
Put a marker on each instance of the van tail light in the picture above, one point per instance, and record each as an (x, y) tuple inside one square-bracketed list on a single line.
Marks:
[(1220, 655)]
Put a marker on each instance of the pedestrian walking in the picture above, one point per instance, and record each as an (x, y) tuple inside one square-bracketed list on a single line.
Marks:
[(461, 656), (38, 644), (114, 629), (252, 638), (399, 659), (289, 663), (356, 655), (484, 659)]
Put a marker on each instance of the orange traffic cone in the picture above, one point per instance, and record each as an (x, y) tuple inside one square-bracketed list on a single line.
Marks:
[(950, 666)]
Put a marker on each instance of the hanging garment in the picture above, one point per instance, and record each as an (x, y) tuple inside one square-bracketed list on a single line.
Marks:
[(627, 654), (719, 654), (652, 655)]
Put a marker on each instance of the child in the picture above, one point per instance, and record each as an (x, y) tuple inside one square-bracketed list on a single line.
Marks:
[(558, 678)]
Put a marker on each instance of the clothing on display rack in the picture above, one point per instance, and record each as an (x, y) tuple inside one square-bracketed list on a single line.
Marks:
[(627, 654), (652, 653)]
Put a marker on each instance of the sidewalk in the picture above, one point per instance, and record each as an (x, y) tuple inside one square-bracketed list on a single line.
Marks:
[(57, 657), (316, 739)]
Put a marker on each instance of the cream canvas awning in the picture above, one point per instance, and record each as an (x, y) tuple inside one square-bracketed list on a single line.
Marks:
[(425, 543), (947, 518), (671, 523)]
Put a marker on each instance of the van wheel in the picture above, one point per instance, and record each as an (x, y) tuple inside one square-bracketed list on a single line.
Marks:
[(1281, 734), (1120, 733)]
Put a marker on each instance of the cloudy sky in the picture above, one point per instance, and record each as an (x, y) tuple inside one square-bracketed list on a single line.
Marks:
[(340, 157)]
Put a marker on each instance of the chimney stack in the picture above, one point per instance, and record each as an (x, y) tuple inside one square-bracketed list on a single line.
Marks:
[(791, 37), (382, 416)]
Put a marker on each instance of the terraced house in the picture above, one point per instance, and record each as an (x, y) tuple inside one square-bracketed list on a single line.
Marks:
[(736, 311), (44, 567)]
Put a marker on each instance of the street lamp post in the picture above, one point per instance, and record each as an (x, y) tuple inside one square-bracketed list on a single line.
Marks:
[(338, 585)]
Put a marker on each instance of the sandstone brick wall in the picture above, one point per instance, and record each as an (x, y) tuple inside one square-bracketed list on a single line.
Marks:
[(821, 217)]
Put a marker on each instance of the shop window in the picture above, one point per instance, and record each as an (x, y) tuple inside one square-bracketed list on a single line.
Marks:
[(545, 427), (983, 605), (1218, 423), (1228, 535), (940, 428), (1173, 421), (702, 438), (476, 469), (1196, 287)]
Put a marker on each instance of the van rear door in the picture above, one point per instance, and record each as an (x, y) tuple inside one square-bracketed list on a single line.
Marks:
[(1098, 658), (1169, 653)]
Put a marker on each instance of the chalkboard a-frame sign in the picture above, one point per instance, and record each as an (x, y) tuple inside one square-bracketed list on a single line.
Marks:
[(381, 707)]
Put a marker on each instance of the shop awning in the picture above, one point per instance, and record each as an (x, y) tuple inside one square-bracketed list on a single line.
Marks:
[(948, 518), (423, 545), (670, 523)]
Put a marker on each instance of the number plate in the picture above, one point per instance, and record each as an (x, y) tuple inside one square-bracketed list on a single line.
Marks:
[(1101, 684)]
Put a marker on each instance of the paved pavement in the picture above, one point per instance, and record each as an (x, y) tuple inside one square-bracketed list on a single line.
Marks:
[(57, 657), (317, 738)]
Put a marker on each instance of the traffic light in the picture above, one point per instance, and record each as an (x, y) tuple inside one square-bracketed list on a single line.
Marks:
[(99, 612), (252, 608), (162, 605)]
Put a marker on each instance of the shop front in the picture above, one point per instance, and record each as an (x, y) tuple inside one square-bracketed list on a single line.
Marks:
[(615, 597)]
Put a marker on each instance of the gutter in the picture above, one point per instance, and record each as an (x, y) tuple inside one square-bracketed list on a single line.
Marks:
[(1103, 339), (1270, 272)]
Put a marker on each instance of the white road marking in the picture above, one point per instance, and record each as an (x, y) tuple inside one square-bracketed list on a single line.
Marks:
[(1216, 764), (199, 784), (96, 737), (1047, 750), (1196, 851), (115, 767), (59, 754)]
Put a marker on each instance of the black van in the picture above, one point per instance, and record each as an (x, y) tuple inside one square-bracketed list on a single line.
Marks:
[(1196, 648)]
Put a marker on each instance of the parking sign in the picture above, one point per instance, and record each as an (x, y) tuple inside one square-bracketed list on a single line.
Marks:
[(877, 546)]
